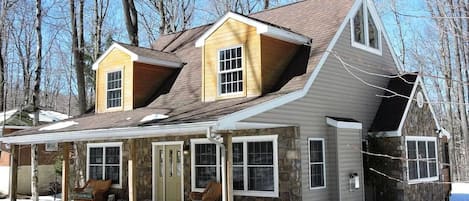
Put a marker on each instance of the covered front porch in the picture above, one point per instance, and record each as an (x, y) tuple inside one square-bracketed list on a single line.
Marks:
[(168, 162)]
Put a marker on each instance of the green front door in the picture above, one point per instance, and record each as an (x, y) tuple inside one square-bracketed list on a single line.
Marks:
[(168, 172)]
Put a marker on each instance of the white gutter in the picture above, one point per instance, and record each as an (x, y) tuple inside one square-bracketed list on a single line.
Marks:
[(110, 134), (129, 132), (216, 138)]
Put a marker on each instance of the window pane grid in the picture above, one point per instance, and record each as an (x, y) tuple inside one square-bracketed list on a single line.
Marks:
[(104, 163), (114, 89), (422, 161), (317, 169), (249, 172), (230, 71)]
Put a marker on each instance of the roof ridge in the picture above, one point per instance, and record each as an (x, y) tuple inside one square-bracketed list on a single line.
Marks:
[(277, 7), (248, 15), (147, 48)]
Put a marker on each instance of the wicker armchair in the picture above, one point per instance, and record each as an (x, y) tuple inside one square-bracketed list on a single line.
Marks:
[(94, 190), (211, 193)]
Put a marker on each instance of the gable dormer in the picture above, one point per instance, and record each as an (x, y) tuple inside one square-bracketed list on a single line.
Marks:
[(244, 57), (127, 76)]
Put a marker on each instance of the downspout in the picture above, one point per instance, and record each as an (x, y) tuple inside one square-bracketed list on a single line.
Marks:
[(215, 138)]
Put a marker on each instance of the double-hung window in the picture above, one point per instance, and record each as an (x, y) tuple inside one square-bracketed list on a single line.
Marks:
[(230, 71), (104, 161), (114, 89), (365, 34), (255, 168), (422, 159), (317, 163)]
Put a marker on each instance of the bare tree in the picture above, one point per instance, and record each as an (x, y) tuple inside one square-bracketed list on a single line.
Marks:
[(37, 85), (131, 20), (4, 7), (78, 53)]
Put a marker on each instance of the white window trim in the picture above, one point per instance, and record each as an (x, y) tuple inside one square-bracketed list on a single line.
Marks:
[(366, 46), (219, 73), (121, 88), (324, 162), (244, 139), (104, 145), (426, 139), (51, 146)]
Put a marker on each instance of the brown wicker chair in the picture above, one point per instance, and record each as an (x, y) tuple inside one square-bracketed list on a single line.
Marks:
[(94, 190), (211, 193)]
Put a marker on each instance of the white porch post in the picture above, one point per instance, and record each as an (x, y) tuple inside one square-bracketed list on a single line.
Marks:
[(132, 171), (65, 170), (227, 138), (13, 172)]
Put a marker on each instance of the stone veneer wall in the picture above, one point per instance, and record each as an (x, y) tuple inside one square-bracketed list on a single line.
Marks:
[(420, 122), (385, 189), (289, 164)]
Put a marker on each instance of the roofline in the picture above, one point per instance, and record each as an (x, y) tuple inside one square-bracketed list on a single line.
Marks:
[(418, 81), (17, 127), (261, 28), (129, 132), (227, 120), (136, 58)]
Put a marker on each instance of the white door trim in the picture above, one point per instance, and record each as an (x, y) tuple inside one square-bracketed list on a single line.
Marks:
[(153, 165)]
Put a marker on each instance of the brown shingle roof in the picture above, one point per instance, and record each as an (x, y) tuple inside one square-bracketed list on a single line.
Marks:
[(391, 110), (316, 19), (151, 53)]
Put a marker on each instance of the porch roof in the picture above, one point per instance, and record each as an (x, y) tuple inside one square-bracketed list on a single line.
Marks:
[(129, 132)]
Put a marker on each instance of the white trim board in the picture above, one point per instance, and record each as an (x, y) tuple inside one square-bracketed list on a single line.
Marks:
[(261, 28), (130, 132), (226, 122), (343, 124), (135, 57)]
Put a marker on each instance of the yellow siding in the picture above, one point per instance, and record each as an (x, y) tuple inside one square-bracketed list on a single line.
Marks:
[(115, 60), (276, 55), (232, 33)]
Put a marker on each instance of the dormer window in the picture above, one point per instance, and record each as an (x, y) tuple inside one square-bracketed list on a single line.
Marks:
[(114, 89), (365, 34), (230, 71)]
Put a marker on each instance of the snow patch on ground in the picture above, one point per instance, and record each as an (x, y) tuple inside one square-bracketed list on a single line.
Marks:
[(59, 125), (460, 188), (152, 117)]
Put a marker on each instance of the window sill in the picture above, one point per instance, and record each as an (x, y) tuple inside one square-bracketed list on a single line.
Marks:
[(317, 188), (231, 95), (424, 180), (114, 109), (271, 194), (366, 48)]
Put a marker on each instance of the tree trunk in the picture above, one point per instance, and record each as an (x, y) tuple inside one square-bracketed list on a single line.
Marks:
[(37, 84), (77, 39), (131, 21)]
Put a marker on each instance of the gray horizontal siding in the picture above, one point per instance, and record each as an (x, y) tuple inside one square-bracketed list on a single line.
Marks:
[(334, 93), (350, 161)]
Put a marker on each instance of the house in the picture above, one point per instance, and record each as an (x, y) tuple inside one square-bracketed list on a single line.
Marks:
[(21, 119), (276, 105)]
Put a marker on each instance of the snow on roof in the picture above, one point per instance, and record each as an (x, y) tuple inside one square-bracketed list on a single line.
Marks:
[(153, 117), (7, 114), (460, 188), (50, 116), (59, 125)]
